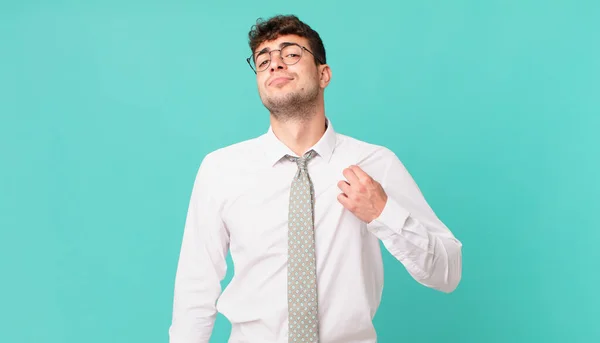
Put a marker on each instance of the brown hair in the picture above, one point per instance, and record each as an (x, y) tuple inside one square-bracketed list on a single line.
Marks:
[(280, 25)]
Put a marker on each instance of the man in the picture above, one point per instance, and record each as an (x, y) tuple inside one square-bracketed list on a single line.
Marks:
[(302, 210)]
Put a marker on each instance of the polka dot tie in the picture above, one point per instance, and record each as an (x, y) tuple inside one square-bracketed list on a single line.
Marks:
[(302, 278)]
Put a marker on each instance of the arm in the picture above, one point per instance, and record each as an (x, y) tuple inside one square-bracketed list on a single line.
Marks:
[(397, 213), (202, 265)]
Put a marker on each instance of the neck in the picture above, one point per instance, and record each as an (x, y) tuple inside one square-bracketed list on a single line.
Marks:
[(300, 134)]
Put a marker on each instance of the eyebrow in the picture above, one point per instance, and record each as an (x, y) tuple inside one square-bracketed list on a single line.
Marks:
[(281, 46)]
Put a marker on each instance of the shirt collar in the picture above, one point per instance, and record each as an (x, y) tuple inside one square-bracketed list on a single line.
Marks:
[(274, 149)]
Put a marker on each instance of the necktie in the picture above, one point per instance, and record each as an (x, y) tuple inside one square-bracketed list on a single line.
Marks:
[(302, 278)]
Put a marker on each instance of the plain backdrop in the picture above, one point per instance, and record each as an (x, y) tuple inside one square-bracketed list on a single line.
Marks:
[(108, 107)]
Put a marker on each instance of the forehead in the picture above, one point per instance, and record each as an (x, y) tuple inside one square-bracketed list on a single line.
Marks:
[(277, 42)]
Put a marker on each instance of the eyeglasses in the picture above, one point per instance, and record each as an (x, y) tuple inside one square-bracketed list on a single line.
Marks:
[(289, 54)]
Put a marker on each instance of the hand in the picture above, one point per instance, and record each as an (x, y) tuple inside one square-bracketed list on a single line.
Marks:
[(361, 195)]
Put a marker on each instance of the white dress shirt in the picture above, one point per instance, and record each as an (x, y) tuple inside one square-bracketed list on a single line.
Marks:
[(239, 205)]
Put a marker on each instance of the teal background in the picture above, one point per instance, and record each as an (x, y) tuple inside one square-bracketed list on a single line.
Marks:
[(108, 107)]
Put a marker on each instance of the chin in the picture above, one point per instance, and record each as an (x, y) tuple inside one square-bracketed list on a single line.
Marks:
[(278, 94)]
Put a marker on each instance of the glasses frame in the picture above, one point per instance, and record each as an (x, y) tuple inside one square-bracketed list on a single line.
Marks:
[(289, 64)]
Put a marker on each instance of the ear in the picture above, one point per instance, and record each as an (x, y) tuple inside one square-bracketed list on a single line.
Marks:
[(324, 75)]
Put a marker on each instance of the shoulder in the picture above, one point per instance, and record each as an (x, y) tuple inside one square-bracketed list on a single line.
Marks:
[(216, 164), (363, 149), (377, 160), (229, 154)]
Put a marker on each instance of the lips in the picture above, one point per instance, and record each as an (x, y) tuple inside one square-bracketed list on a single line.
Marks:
[(279, 79)]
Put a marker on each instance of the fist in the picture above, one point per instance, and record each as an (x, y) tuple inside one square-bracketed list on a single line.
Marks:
[(361, 195)]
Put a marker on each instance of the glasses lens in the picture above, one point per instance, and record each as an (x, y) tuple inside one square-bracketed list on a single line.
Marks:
[(291, 54), (262, 61)]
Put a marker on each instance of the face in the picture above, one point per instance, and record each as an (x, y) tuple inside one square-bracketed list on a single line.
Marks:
[(286, 89)]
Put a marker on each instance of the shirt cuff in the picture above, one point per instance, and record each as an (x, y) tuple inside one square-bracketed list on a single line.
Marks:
[(391, 220)]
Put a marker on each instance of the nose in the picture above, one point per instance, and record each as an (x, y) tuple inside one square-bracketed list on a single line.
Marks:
[(277, 62)]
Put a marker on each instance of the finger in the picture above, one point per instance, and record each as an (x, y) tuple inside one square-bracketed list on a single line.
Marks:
[(343, 199), (351, 176), (344, 186), (361, 174)]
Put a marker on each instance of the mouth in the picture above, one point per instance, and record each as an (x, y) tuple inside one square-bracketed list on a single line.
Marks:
[(279, 80)]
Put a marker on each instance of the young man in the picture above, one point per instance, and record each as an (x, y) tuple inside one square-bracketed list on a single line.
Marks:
[(302, 210)]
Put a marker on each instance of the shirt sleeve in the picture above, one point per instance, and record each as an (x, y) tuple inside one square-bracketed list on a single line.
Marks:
[(202, 264), (414, 235)]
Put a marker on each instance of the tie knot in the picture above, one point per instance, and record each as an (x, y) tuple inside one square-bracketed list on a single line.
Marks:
[(302, 161)]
